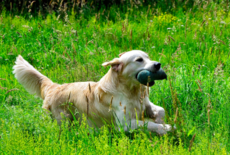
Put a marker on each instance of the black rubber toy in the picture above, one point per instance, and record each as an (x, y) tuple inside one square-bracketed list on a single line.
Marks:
[(143, 75)]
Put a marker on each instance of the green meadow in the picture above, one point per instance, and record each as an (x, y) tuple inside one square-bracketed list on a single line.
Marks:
[(192, 44)]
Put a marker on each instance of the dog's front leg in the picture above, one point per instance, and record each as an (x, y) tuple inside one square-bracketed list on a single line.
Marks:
[(161, 129), (154, 111)]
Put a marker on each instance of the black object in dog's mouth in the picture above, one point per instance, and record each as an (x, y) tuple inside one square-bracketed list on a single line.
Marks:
[(147, 77), (150, 84)]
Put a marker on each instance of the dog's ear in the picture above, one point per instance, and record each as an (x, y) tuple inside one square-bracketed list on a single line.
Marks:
[(116, 64)]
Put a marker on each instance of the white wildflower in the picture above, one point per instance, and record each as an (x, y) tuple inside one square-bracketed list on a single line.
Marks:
[(25, 26), (222, 22)]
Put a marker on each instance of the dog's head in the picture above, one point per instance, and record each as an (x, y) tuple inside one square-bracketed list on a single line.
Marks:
[(129, 64)]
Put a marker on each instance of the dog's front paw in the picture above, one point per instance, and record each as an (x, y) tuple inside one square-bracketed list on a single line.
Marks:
[(163, 129), (159, 116)]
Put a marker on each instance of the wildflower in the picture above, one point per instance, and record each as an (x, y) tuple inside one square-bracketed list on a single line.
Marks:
[(73, 31), (25, 26), (222, 22), (58, 31)]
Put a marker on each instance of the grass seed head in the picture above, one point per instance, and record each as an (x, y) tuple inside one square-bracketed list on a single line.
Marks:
[(125, 110), (142, 116), (191, 142), (176, 115), (89, 88), (69, 97), (110, 105)]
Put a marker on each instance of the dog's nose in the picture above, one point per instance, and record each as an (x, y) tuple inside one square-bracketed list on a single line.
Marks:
[(157, 65)]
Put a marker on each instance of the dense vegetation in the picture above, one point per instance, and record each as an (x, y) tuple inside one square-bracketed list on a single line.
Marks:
[(192, 45)]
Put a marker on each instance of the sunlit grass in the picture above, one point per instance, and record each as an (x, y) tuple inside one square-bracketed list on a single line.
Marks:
[(192, 46)]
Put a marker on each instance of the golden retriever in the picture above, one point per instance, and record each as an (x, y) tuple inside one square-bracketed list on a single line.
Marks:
[(117, 98)]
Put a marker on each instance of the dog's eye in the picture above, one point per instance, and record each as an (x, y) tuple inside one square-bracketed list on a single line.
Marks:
[(139, 60)]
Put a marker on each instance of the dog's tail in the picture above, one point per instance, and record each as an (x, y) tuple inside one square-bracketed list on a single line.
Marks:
[(33, 81)]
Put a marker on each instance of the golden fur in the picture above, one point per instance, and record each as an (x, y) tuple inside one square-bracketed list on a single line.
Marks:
[(117, 98)]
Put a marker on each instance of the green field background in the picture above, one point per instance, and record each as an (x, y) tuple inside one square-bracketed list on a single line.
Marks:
[(192, 44)]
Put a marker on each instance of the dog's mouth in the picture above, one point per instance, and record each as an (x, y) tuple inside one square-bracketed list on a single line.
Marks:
[(146, 77)]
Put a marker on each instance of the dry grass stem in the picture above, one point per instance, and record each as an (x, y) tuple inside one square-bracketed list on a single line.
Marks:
[(147, 89), (148, 85), (69, 97), (141, 101), (131, 34), (208, 116), (110, 105), (150, 135), (87, 108), (144, 93), (89, 88), (176, 115), (141, 90), (171, 38), (125, 110), (198, 84), (208, 110), (143, 116), (14, 89), (191, 142), (3, 87), (154, 144)]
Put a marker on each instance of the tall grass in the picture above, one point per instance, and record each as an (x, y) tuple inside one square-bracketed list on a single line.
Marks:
[(192, 46)]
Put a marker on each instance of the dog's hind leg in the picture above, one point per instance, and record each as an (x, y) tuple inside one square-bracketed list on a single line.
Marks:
[(46, 105), (61, 115)]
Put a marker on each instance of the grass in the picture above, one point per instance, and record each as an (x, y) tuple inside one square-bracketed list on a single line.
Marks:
[(192, 46)]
